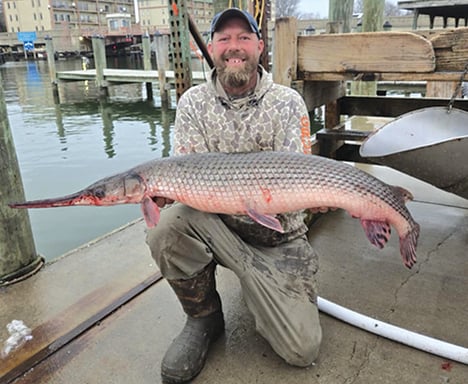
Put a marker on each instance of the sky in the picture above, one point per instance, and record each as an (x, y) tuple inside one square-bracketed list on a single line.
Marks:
[(320, 6)]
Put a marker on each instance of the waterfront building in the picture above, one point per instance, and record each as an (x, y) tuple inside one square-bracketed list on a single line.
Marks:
[(154, 14)]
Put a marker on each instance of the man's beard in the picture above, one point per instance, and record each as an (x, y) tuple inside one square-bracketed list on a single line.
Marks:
[(236, 77)]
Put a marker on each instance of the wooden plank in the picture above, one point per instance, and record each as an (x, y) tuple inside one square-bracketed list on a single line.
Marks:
[(377, 52), (441, 88), (391, 106), (60, 330), (451, 49), (318, 93), (285, 47), (390, 76)]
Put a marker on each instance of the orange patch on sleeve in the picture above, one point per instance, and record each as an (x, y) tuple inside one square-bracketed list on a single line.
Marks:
[(306, 140)]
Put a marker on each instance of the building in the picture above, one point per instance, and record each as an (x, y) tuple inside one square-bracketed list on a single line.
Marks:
[(154, 14), (85, 17)]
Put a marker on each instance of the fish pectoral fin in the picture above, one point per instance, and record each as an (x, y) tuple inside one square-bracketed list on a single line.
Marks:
[(150, 211), (378, 232), (265, 220)]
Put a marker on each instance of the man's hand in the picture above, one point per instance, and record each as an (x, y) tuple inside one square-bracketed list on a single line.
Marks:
[(161, 202), (322, 209)]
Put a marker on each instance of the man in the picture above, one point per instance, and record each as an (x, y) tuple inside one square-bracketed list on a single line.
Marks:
[(239, 109)]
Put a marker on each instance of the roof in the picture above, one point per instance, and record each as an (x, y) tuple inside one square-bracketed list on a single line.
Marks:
[(444, 8)]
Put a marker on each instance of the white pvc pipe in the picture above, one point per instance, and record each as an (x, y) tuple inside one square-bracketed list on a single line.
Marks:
[(392, 332)]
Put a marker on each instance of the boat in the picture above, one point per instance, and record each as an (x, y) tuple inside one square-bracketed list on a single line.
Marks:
[(430, 144)]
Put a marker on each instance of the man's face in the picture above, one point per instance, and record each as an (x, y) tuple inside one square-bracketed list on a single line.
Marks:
[(236, 51)]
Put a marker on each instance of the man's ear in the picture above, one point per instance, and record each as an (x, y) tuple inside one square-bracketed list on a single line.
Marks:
[(261, 46), (209, 47)]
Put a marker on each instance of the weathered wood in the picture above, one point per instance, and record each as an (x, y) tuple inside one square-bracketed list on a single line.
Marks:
[(99, 53), (318, 93), (389, 76), (366, 52), (285, 51), (17, 249), (451, 49), (52, 69), (441, 89), (396, 106), (340, 15), (340, 22), (162, 62), (372, 19), (146, 44)]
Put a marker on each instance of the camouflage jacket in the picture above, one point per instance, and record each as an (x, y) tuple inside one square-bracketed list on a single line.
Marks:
[(272, 118)]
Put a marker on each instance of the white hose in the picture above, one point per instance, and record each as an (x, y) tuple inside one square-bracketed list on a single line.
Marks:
[(413, 339)]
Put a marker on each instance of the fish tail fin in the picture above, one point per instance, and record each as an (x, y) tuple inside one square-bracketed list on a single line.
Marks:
[(408, 246), (150, 211)]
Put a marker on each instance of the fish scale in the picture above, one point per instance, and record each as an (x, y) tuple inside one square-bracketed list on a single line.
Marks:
[(258, 184)]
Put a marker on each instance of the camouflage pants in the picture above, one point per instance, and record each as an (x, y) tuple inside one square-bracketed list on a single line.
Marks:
[(278, 283)]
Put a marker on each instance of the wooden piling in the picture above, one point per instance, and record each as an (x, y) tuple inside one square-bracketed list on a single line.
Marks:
[(52, 71), (372, 18), (146, 44), (162, 62), (99, 52), (372, 21), (18, 256), (340, 12), (285, 51)]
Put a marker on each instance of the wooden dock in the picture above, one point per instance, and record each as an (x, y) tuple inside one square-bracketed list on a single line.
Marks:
[(124, 75)]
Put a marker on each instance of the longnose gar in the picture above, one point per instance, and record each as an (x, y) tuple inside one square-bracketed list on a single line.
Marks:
[(260, 185)]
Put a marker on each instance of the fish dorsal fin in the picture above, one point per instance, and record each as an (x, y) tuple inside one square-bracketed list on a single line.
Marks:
[(378, 232), (150, 211), (403, 193)]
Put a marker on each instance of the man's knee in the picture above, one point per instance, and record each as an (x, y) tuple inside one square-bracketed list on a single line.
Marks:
[(305, 351), (175, 245)]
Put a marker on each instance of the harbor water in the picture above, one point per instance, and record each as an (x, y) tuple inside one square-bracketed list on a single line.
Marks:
[(63, 148)]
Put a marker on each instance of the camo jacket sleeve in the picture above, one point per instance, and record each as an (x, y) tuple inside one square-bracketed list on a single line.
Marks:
[(273, 118)]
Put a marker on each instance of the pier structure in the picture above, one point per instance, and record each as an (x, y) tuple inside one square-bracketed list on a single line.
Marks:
[(112, 320), (435, 58)]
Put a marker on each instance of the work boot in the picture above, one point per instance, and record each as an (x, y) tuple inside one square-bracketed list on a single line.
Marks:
[(186, 356)]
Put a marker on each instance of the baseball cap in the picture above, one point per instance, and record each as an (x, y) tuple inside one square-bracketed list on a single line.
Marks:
[(229, 13)]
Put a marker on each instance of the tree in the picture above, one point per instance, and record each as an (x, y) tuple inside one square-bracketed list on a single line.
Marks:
[(391, 9), (287, 8)]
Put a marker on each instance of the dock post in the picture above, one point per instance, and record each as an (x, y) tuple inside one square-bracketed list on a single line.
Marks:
[(52, 71), (99, 52), (145, 42), (372, 21), (340, 12), (18, 258), (162, 63)]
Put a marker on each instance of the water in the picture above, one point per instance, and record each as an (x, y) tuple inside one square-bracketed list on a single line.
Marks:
[(63, 148)]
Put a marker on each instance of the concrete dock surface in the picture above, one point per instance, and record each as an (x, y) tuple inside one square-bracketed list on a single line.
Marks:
[(101, 314)]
